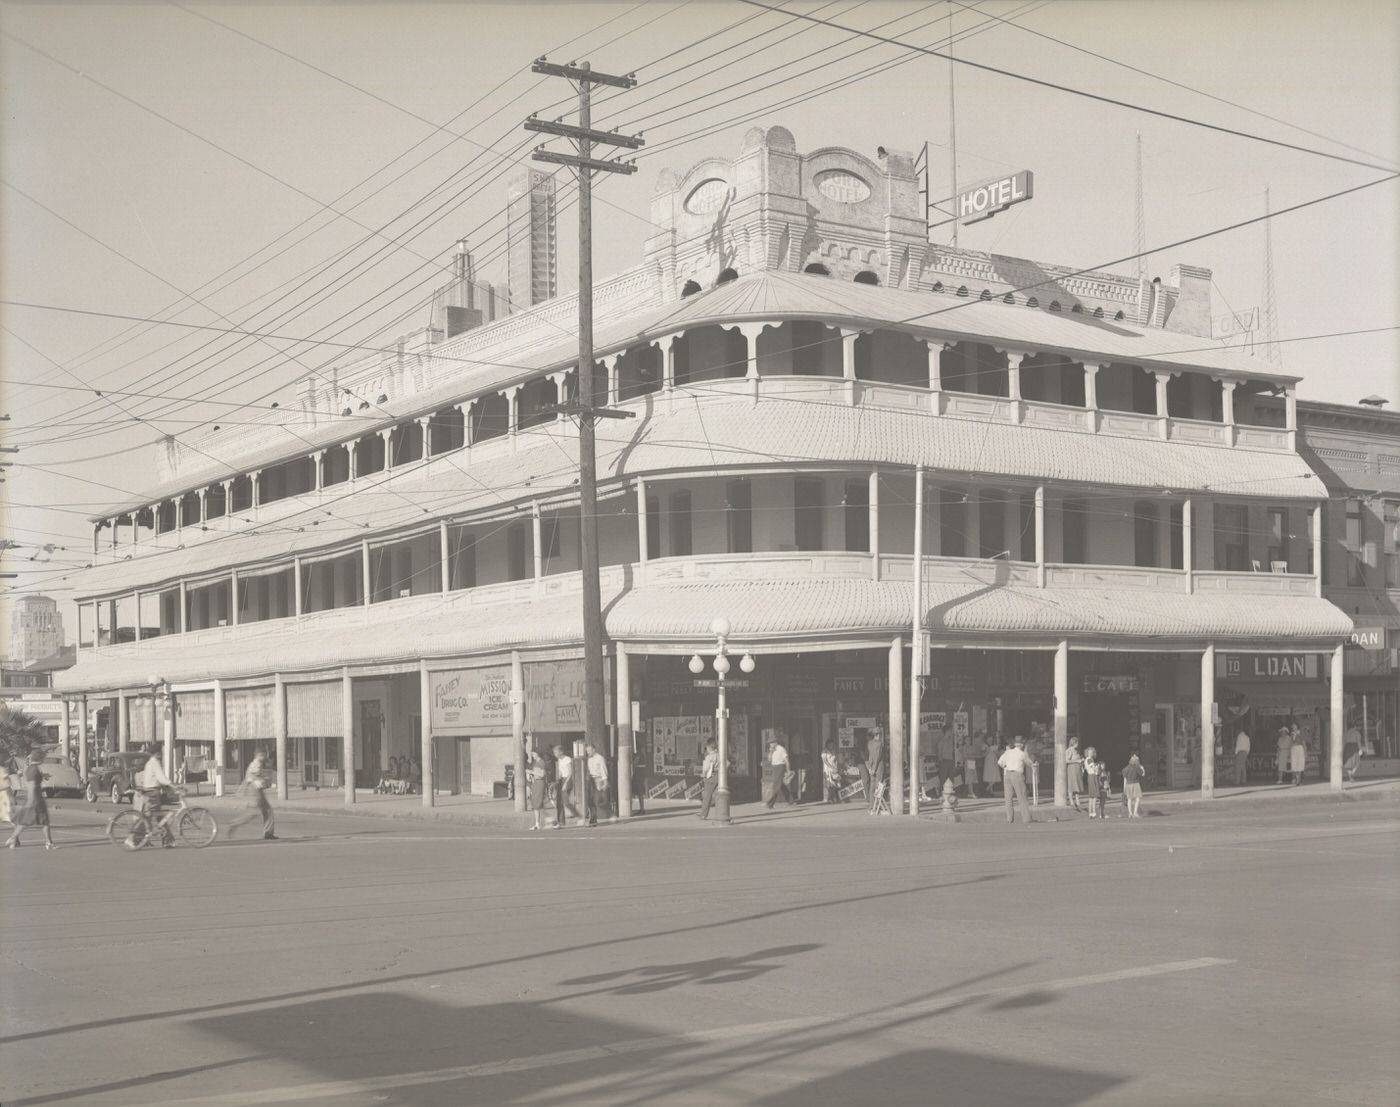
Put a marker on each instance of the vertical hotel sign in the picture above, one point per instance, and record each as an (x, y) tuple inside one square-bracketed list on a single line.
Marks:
[(471, 701)]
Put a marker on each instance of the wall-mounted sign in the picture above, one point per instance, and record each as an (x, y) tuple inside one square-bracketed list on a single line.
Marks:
[(984, 200), (1266, 666), (1115, 682), (467, 701), (1368, 638)]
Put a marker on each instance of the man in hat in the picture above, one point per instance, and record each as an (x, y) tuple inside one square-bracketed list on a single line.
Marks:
[(1015, 763)]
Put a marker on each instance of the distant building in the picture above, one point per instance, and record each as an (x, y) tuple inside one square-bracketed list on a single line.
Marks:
[(36, 629), (531, 240)]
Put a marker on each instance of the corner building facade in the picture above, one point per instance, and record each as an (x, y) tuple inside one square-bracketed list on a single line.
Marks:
[(1026, 488)]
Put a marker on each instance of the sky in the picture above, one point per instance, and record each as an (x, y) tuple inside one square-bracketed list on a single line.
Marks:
[(203, 203)]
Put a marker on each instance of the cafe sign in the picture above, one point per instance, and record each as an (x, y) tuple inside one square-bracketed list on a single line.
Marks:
[(1267, 666)]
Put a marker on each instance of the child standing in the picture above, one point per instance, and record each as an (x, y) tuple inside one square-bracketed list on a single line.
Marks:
[(1092, 771), (1132, 786)]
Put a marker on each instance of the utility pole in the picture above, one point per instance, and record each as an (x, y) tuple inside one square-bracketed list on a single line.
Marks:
[(588, 409)]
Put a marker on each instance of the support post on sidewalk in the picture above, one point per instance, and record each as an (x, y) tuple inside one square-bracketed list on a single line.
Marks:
[(916, 639), (622, 689), (83, 738), (347, 733), (425, 715), (1337, 722), (279, 731), (220, 738), (898, 744), (1061, 721), (1208, 723), (517, 726)]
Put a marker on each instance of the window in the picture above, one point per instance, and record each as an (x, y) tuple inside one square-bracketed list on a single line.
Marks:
[(1176, 528), (1278, 537), (1144, 534), (1356, 551), (1232, 539), (1390, 541), (738, 516), (991, 525), (1026, 533), (265, 596), (678, 516), (1308, 556), (808, 495), (518, 552), (1075, 522), (952, 522), (461, 558), (334, 582), (653, 527), (856, 503), (549, 538)]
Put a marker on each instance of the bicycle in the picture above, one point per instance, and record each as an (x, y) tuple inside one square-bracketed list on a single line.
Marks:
[(192, 826)]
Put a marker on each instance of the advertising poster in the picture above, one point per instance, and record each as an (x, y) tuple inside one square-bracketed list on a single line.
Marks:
[(471, 701)]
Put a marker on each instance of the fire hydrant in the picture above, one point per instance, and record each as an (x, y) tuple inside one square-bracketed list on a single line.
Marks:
[(949, 811)]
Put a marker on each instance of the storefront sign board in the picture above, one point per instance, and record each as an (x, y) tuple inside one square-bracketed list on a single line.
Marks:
[(471, 701), (1368, 638), (1267, 666)]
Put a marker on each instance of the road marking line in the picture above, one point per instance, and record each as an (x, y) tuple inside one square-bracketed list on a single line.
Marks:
[(342, 1088)]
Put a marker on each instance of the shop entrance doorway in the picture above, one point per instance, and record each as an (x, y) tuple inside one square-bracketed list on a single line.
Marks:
[(369, 770), (464, 766), (1104, 723), (805, 755)]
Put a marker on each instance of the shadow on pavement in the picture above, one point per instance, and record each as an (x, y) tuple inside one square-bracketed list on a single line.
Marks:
[(715, 970)]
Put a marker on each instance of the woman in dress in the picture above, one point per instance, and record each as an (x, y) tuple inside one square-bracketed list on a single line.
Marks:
[(34, 811), (1297, 756), (991, 774), (1074, 773), (831, 774), (535, 773), (1091, 782)]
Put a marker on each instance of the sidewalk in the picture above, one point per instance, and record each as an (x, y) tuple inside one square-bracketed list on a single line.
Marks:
[(484, 811)]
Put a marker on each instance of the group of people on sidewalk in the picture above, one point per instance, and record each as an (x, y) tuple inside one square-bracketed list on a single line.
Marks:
[(553, 777)]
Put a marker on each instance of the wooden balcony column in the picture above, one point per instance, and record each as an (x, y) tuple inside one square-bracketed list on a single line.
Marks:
[(1091, 393), (1163, 428), (561, 387), (1227, 409), (1013, 381)]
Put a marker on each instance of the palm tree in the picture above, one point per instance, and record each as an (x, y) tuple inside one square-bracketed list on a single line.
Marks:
[(19, 733)]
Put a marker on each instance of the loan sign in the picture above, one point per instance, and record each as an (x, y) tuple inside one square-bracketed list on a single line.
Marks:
[(984, 200), (1267, 666)]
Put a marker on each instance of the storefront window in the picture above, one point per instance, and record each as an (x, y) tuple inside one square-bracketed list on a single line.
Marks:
[(1356, 573), (1391, 542)]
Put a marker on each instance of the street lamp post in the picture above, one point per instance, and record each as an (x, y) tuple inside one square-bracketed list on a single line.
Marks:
[(720, 629)]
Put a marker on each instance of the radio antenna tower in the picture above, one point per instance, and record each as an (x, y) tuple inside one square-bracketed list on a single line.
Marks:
[(1273, 354), (1140, 220)]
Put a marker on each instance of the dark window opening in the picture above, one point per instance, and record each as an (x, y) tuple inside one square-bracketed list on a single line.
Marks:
[(1144, 534), (991, 526), (679, 523), (1075, 523), (490, 418), (518, 565), (856, 508), (808, 501), (738, 516), (952, 522)]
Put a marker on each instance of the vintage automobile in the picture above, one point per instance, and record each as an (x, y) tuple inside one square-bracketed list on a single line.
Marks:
[(59, 776), (115, 777)]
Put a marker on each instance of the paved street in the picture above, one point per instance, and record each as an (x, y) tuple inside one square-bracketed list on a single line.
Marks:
[(1245, 955)]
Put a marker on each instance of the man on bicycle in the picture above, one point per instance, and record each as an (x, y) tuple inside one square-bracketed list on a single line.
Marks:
[(155, 790)]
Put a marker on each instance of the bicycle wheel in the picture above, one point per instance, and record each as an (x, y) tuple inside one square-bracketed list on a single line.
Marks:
[(197, 827), (127, 829)]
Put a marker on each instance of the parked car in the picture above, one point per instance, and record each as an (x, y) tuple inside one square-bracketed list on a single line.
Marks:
[(116, 776), (59, 776)]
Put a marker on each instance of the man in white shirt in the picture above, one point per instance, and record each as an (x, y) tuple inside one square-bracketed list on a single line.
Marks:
[(1241, 756), (1014, 765), (563, 781), (151, 785), (709, 778), (780, 766), (255, 783), (596, 796)]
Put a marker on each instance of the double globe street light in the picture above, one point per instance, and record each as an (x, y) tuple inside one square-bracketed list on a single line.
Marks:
[(720, 629)]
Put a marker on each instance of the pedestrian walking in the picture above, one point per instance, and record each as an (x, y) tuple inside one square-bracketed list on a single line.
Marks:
[(973, 753), (639, 785), (1351, 752), (780, 770), (563, 783), (254, 790), (1014, 764), (537, 773), (33, 810), (1132, 786), (709, 778), (1074, 773), (1093, 772), (595, 796), (1284, 748), (1241, 756), (831, 775)]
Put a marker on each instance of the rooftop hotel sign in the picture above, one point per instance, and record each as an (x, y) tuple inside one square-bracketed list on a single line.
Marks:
[(982, 201)]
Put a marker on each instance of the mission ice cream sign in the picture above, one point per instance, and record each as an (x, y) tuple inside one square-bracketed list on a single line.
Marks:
[(982, 201)]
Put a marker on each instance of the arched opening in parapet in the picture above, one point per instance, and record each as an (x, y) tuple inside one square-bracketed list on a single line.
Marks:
[(865, 276), (727, 275), (818, 268), (690, 288)]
